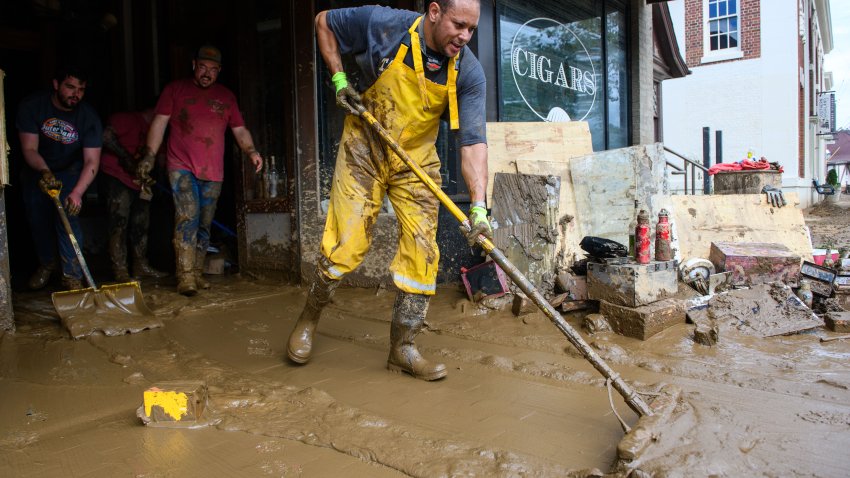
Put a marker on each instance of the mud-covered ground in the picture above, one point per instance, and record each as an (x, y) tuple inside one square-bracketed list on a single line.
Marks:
[(519, 400), (830, 223)]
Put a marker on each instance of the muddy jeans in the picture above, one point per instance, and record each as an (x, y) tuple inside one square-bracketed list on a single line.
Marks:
[(47, 228), (126, 211), (194, 209)]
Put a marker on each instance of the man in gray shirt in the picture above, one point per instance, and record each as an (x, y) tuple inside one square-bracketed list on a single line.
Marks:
[(416, 70)]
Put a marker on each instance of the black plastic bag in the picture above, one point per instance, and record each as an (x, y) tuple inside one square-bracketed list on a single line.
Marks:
[(603, 248)]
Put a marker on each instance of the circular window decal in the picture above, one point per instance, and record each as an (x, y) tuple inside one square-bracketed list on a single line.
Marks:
[(553, 71)]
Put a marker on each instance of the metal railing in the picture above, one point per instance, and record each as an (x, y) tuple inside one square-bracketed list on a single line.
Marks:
[(689, 170)]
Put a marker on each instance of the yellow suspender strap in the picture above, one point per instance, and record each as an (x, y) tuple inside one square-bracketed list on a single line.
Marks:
[(451, 82), (416, 53)]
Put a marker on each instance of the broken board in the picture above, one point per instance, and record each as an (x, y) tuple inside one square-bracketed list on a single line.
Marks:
[(542, 149), (702, 220), (526, 207), (511, 144)]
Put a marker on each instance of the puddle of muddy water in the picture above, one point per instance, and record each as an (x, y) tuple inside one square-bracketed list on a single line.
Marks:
[(518, 401)]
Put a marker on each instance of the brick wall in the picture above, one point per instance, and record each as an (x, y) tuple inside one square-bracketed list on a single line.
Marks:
[(749, 26), (693, 32)]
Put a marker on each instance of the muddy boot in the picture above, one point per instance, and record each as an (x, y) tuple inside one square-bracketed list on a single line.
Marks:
[(72, 283), (185, 269), (408, 318), (301, 339), (200, 256), (118, 257), (121, 275), (41, 276), (142, 269)]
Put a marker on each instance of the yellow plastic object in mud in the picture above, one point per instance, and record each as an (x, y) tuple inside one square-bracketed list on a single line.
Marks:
[(173, 404), (182, 401)]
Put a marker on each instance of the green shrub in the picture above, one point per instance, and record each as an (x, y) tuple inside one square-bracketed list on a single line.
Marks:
[(832, 177)]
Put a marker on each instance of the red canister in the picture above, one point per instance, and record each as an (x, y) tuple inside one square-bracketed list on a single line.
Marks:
[(642, 238), (663, 246)]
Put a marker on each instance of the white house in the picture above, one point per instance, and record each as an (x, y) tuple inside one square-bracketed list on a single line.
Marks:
[(756, 74)]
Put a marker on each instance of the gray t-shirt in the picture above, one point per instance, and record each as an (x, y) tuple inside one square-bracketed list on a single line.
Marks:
[(372, 35)]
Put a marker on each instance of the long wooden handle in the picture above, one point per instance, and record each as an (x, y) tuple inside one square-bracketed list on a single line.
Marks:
[(54, 193), (634, 400)]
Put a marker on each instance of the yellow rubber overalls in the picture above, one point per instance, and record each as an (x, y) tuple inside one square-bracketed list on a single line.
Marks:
[(409, 106)]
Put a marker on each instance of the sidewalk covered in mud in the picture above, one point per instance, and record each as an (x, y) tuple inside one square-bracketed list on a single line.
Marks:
[(518, 401), (763, 386)]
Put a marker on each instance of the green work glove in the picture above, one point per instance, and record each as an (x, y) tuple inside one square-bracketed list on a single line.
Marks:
[(479, 223), (347, 97), (48, 182)]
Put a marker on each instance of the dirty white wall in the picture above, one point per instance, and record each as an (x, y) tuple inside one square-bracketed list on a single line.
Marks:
[(753, 101)]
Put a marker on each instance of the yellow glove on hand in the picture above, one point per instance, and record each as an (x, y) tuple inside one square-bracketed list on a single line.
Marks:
[(48, 182), (480, 225)]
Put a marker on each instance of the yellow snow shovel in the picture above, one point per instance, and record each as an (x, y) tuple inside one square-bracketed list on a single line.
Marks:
[(107, 301), (651, 417)]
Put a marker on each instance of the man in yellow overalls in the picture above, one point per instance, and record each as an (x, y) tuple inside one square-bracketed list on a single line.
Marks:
[(418, 69)]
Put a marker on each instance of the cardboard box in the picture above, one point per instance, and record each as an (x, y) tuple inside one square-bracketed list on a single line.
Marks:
[(631, 284), (755, 262)]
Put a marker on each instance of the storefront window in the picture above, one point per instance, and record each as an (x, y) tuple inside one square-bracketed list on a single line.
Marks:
[(558, 62), (617, 87)]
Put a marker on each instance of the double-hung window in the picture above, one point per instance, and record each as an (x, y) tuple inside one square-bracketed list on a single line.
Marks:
[(722, 30)]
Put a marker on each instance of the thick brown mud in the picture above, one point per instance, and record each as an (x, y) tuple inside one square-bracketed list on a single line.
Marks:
[(518, 399)]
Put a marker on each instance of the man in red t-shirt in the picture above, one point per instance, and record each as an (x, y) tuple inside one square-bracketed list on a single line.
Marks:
[(198, 112), (124, 134)]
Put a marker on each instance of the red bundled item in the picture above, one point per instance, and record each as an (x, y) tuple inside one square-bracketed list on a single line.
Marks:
[(743, 165), (723, 167), (760, 164)]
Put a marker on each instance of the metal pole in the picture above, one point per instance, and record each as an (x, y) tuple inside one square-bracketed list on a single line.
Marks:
[(718, 147), (706, 159)]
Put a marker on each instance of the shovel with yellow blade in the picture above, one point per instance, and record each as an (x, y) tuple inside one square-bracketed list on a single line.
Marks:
[(91, 308)]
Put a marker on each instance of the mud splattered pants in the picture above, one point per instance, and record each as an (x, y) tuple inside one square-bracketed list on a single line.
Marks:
[(126, 213), (364, 173), (194, 208)]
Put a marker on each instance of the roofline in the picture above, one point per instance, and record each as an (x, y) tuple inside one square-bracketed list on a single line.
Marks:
[(825, 23), (667, 44)]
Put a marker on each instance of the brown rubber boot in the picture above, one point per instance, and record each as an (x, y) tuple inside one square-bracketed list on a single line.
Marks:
[(72, 283), (142, 269), (200, 257), (185, 268), (408, 318), (41, 276), (118, 257), (301, 339), (121, 275)]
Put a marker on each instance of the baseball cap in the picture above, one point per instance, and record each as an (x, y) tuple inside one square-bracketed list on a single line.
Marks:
[(209, 52)]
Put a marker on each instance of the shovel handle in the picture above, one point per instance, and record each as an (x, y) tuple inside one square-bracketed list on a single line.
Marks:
[(54, 194), (634, 400)]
